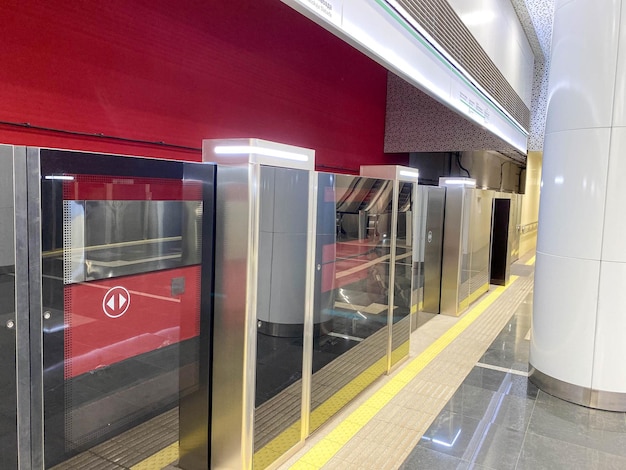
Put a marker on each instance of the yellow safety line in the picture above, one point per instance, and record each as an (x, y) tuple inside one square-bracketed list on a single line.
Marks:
[(474, 296), (161, 459), (531, 261), (327, 447), (322, 452)]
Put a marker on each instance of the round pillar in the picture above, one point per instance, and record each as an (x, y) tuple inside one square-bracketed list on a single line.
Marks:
[(578, 340)]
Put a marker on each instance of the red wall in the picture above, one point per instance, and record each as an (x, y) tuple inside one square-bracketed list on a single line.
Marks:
[(180, 71)]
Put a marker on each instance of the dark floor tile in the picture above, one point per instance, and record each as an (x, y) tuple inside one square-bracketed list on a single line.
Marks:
[(470, 401), (450, 434), (497, 447), (595, 429), (508, 357), (521, 366), (512, 412), (502, 382), (485, 378), (545, 453), (480, 441), (422, 458), (520, 386)]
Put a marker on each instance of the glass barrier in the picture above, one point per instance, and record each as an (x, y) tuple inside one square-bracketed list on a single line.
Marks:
[(282, 269), (123, 272), (8, 407), (480, 236), (403, 273), (466, 250), (351, 290)]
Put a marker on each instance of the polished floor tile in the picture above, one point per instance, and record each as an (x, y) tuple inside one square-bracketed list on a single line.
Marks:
[(490, 418), (497, 419)]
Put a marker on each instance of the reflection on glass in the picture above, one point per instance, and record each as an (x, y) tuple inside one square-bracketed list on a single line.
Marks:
[(403, 274), (464, 284), (351, 289), (283, 220), (480, 228), (121, 281), (8, 404)]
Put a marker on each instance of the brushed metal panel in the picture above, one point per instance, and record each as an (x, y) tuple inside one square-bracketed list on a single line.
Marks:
[(433, 246), (598, 399), (14, 369), (234, 304), (452, 250)]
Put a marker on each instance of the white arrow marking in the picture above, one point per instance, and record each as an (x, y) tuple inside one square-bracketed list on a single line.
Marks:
[(122, 301), (111, 303)]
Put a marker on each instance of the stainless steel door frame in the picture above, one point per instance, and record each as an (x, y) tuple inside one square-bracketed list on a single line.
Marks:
[(397, 174), (238, 191), (24, 174), (432, 240), (456, 245), (29, 367)]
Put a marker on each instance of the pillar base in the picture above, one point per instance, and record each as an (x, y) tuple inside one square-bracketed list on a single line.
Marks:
[(598, 399)]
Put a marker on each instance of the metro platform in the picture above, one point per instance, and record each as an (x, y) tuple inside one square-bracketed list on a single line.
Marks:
[(462, 400)]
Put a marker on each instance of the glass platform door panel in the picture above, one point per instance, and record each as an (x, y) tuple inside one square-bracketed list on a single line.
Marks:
[(351, 302), (281, 292), (8, 390), (122, 271), (403, 273)]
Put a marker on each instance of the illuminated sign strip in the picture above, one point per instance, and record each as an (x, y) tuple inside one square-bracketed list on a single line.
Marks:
[(381, 32)]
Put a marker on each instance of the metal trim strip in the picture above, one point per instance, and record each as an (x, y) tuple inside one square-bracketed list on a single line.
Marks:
[(35, 306), (591, 398), (22, 307), (392, 272), (309, 310)]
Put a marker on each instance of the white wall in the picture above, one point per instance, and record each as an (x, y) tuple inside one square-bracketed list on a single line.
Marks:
[(497, 29)]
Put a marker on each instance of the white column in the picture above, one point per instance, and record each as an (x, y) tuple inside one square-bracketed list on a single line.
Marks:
[(578, 345)]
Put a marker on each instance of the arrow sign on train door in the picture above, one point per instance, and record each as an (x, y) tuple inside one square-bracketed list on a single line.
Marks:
[(116, 302)]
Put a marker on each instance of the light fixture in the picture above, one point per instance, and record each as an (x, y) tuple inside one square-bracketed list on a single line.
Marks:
[(458, 182), (268, 152), (59, 177), (409, 174)]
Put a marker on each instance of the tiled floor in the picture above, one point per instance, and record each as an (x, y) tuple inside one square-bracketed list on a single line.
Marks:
[(497, 419), (473, 407)]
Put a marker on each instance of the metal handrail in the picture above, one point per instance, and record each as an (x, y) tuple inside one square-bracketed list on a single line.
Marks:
[(527, 228)]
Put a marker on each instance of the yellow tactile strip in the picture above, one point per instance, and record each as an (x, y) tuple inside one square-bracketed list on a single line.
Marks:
[(132, 447), (159, 460), (430, 394)]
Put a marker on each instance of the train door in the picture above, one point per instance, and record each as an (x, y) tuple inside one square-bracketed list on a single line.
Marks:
[(126, 256)]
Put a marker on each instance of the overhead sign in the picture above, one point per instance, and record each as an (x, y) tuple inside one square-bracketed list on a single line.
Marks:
[(116, 302), (387, 33), (328, 9)]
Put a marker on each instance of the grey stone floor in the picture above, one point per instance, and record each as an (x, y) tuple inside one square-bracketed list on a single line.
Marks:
[(498, 420)]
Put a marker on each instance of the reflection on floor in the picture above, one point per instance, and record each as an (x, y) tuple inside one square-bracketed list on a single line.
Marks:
[(483, 416), (473, 407), (497, 419)]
